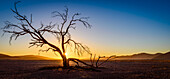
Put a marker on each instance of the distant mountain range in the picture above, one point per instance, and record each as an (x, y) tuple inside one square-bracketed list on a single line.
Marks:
[(145, 56), (24, 57), (140, 56)]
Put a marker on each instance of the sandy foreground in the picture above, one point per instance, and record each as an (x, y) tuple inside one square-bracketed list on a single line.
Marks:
[(20, 69)]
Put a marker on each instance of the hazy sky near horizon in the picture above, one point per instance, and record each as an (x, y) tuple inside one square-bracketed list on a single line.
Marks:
[(119, 27)]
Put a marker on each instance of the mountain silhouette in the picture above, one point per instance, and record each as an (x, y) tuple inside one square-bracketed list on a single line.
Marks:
[(4, 56), (145, 56), (165, 56), (24, 57)]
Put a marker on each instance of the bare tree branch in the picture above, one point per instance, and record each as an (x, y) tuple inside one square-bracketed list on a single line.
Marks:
[(47, 50), (64, 17), (79, 48), (62, 33), (38, 39), (104, 61), (73, 22)]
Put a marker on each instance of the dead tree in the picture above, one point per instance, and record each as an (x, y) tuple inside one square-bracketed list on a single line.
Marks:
[(25, 27), (37, 35)]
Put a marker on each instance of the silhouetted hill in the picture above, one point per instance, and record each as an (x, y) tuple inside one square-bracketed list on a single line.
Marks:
[(165, 56), (4, 56), (145, 56), (25, 57)]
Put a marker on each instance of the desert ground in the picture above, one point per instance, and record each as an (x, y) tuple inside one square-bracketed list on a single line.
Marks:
[(29, 69)]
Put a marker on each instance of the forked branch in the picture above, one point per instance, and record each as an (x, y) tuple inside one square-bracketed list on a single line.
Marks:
[(25, 27)]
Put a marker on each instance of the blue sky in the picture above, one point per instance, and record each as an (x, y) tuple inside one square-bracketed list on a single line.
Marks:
[(118, 26)]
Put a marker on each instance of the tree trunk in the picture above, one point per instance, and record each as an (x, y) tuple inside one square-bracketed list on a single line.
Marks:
[(65, 61)]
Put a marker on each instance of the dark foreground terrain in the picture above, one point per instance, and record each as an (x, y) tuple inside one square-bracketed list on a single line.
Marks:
[(26, 69)]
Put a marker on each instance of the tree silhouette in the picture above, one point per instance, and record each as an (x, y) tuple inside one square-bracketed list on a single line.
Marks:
[(25, 27), (63, 35)]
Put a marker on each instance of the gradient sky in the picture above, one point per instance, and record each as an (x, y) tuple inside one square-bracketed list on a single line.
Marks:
[(119, 27)]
